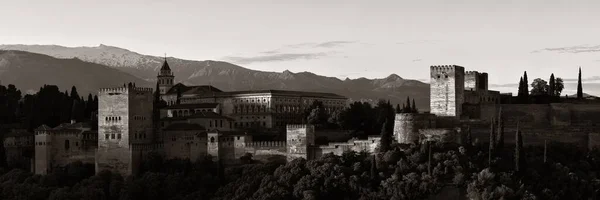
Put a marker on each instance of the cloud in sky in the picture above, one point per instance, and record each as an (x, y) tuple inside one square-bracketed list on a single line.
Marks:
[(417, 60), (275, 57), (284, 54), (572, 49)]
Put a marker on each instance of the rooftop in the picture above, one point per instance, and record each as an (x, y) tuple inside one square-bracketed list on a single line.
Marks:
[(199, 89), (190, 106), (207, 115), (184, 127)]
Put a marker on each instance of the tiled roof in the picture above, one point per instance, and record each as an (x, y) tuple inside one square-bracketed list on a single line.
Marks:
[(283, 93), (207, 115), (43, 127), (190, 106), (229, 133), (184, 127), (198, 89), (75, 126)]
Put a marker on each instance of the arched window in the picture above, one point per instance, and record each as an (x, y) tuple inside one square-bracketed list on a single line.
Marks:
[(212, 140), (67, 145)]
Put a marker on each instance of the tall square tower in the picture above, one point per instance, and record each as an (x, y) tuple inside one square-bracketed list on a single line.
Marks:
[(447, 87), (124, 120)]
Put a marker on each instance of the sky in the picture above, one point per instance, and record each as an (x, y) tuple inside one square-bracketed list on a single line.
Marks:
[(339, 38)]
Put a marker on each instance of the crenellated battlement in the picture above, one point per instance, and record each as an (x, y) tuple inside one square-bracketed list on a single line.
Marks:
[(124, 90), (298, 126), (445, 68), (472, 73), (146, 147), (266, 144)]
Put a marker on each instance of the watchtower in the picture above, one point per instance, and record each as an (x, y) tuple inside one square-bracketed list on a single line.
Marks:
[(124, 120), (447, 90), (300, 139)]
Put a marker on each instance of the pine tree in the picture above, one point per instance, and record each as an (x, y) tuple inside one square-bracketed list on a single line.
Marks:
[(551, 86), (500, 134), (579, 86), (403, 108), (414, 107), (398, 109), (89, 106)]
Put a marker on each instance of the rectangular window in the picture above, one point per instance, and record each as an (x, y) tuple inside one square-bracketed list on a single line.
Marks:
[(112, 136), (119, 136), (221, 121), (106, 136)]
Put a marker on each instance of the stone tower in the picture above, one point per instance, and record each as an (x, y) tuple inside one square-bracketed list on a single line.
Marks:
[(447, 90), (300, 139), (124, 122), (165, 78)]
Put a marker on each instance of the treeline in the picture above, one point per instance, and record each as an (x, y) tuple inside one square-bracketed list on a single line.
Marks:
[(48, 106), (414, 171), (360, 118)]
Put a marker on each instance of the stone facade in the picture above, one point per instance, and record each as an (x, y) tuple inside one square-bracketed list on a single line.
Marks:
[(407, 125), (447, 89), (19, 148), (62, 145), (124, 121)]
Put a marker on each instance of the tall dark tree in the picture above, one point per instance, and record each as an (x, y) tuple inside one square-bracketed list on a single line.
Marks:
[(398, 109), (386, 138), (89, 107), (552, 86), (519, 154), (74, 94), (469, 137), (408, 108), (520, 92), (373, 168), (500, 134), (558, 86), (526, 86), (414, 107), (545, 150), (492, 143), (178, 101), (579, 86)]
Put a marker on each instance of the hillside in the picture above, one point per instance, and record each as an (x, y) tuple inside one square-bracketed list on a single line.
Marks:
[(30, 71), (229, 77)]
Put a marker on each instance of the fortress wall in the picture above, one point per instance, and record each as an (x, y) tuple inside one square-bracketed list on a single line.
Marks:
[(560, 114), (587, 114), (406, 126), (528, 115)]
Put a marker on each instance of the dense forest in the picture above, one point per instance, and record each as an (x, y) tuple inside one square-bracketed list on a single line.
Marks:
[(556, 171)]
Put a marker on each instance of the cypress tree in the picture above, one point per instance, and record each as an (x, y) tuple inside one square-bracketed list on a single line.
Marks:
[(403, 108), (519, 155), (414, 107), (398, 109), (74, 94), (469, 137), (500, 134), (178, 101), (525, 86), (579, 86), (492, 142), (373, 167), (545, 149), (386, 139), (551, 86), (520, 92), (429, 162), (408, 109)]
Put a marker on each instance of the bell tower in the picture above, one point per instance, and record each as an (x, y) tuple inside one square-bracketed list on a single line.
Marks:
[(165, 78)]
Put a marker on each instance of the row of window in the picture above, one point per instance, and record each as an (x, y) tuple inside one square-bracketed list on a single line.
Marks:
[(183, 113), (165, 81), (137, 117), (250, 124), (112, 136), (115, 118), (219, 124), (293, 100), (174, 138)]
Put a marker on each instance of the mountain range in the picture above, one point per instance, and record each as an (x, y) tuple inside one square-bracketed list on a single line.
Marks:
[(90, 68)]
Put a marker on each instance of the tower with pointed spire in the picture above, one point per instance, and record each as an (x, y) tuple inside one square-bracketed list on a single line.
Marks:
[(165, 78)]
